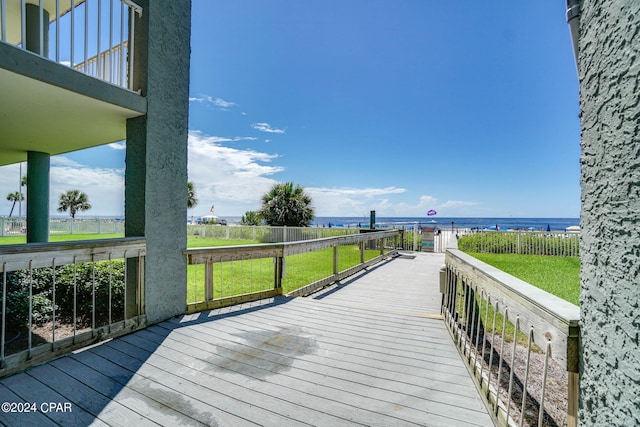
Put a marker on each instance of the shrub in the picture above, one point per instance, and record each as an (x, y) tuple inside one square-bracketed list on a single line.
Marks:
[(41, 282)]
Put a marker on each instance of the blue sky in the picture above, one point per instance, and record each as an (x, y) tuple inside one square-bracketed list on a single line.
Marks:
[(469, 108)]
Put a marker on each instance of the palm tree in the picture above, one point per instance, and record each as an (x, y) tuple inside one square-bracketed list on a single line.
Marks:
[(73, 201), (192, 200), (286, 204), (251, 218), (14, 197)]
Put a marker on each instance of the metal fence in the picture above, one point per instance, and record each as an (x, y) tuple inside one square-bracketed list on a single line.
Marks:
[(18, 226), (266, 234), (520, 342), (410, 235), (522, 242)]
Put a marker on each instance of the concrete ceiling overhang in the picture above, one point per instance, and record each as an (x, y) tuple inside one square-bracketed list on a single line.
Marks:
[(50, 108)]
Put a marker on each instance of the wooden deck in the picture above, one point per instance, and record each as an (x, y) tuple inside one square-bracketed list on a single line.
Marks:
[(371, 351)]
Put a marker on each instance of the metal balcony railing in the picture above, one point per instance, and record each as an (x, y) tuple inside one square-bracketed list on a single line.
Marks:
[(95, 37)]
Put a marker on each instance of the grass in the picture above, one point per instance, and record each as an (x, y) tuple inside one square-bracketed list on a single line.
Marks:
[(559, 276), (244, 276)]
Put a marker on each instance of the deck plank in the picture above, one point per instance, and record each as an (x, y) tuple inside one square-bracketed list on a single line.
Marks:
[(371, 350)]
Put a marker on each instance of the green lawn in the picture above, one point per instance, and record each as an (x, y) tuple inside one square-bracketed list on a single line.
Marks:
[(244, 276), (559, 276)]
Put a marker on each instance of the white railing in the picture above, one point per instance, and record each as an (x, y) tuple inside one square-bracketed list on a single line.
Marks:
[(18, 226), (411, 238), (57, 297), (520, 342), (266, 234), (552, 243), (95, 37)]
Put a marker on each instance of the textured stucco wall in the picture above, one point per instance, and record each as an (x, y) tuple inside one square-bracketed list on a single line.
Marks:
[(609, 64), (156, 161)]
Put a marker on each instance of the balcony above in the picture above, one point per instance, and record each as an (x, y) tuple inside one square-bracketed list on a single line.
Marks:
[(51, 108), (66, 75)]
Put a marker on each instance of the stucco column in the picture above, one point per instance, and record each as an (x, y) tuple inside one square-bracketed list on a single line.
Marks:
[(156, 158), (609, 69), (37, 163), (37, 197)]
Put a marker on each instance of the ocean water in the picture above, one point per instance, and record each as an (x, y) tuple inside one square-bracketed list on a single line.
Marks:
[(541, 224)]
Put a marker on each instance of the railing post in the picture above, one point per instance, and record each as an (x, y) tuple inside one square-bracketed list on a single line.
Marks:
[(335, 259), (208, 281), (573, 392), (443, 285), (133, 287), (362, 252), (279, 261), (415, 237)]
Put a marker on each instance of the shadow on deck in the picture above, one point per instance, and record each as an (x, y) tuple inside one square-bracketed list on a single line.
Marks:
[(370, 351)]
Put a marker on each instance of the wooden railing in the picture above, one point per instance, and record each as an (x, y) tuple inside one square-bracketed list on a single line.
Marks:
[(57, 297), (520, 343), (251, 272)]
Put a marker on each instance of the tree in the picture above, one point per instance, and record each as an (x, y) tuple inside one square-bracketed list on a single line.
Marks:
[(251, 218), (73, 201), (286, 204), (14, 197), (192, 200)]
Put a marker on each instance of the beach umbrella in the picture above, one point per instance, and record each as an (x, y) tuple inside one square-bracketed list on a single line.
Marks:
[(548, 227)]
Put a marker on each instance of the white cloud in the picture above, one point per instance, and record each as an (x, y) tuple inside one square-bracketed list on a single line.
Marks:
[(122, 145), (266, 127), (105, 187), (218, 102), (425, 203), (457, 204), (232, 179), (349, 201)]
